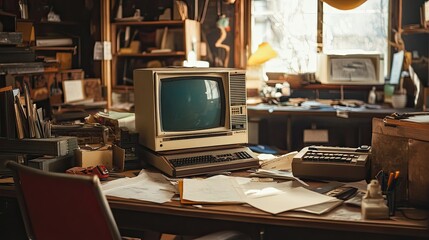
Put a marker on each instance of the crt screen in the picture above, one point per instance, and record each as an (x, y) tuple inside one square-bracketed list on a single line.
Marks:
[(192, 103)]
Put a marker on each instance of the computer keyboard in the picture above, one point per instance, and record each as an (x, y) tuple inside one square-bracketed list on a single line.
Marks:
[(207, 159), (332, 163), (201, 161)]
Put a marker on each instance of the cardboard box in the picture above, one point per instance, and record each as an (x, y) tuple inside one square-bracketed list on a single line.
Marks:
[(88, 158), (404, 146), (112, 157)]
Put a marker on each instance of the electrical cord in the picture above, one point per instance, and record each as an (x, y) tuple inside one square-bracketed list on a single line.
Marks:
[(406, 214)]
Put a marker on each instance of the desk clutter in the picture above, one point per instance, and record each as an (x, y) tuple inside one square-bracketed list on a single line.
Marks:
[(67, 145), (315, 180)]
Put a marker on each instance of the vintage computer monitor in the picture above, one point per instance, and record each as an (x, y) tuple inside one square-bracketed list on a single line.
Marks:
[(192, 120), (350, 69)]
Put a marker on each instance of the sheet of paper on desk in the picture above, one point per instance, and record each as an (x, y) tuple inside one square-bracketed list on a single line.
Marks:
[(263, 189), (271, 197), (322, 207), (294, 198), (147, 186), (218, 189), (286, 175)]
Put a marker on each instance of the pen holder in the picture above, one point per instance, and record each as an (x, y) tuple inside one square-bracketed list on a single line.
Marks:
[(391, 201)]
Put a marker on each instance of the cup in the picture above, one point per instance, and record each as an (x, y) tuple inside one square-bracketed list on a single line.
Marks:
[(399, 100)]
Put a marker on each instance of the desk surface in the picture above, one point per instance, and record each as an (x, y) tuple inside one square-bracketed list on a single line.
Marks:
[(135, 215), (356, 121), (175, 218), (265, 109)]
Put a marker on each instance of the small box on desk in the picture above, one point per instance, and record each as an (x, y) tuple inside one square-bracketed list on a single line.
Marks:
[(92, 158), (112, 157), (403, 145)]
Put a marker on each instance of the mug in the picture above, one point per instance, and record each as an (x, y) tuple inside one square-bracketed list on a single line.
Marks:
[(399, 100)]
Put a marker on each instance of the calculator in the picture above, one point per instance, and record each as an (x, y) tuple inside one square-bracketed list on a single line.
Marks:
[(332, 163)]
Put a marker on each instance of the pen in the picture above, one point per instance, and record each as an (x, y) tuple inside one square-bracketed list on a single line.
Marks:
[(397, 174), (389, 181), (395, 179)]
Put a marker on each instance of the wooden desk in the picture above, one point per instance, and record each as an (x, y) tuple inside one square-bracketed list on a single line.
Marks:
[(299, 118), (188, 220), (133, 216)]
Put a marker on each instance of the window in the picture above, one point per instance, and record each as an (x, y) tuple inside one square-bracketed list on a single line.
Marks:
[(290, 26)]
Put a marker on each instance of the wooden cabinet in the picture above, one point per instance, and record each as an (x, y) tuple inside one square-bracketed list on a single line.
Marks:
[(142, 44)]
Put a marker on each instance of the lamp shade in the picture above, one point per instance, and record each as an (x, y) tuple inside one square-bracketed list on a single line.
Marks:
[(264, 53), (344, 4)]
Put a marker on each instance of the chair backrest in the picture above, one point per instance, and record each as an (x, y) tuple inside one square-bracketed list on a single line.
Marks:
[(62, 206)]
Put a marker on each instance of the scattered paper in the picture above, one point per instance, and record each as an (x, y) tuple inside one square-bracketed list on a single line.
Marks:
[(292, 199), (270, 197), (147, 186), (286, 175), (283, 162), (212, 190), (321, 208)]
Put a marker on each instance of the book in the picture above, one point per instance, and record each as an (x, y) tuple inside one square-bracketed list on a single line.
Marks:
[(17, 55), (7, 113), (56, 146), (54, 42)]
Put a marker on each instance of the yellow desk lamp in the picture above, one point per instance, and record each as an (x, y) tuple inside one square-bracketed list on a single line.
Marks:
[(344, 4), (255, 74)]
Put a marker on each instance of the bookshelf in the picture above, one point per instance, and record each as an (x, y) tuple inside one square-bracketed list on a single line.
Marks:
[(78, 22), (138, 44)]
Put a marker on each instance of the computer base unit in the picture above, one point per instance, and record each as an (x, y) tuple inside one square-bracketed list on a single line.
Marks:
[(201, 161)]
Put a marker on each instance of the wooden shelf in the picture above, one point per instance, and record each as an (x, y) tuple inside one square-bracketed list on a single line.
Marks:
[(415, 30), (123, 88), (328, 86), (62, 23), (177, 23), (71, 49), (168, 54), (186, 34)]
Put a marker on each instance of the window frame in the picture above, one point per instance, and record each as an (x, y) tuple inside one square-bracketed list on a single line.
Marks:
[(243, 38)]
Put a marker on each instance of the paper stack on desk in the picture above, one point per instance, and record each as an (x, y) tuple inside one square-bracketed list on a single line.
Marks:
[(270, 197), (147, 186)]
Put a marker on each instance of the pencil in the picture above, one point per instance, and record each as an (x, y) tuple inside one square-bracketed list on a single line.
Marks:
[(389, 182)]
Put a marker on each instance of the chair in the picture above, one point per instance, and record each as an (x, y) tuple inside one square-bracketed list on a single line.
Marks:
[(62, 206)]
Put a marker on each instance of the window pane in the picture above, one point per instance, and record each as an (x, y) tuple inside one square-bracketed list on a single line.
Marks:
[(290, 26), (363, 28)]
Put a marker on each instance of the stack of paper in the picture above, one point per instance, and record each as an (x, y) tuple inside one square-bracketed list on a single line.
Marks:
[(270, 197), (147, 186)]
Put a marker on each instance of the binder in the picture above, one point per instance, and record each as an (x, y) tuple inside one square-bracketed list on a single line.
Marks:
[(7, 113)]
